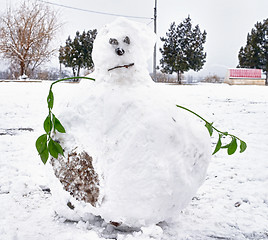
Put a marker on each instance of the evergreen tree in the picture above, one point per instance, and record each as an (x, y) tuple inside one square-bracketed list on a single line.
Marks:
[(183, 48), (255, 53), (77, 53)]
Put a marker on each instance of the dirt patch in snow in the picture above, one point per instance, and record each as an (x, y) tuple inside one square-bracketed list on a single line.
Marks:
[(77, 175)]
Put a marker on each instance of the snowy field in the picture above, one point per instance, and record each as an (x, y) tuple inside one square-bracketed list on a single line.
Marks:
[(232, 203)]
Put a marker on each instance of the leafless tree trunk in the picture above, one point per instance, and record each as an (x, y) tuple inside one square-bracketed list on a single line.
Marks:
[(26, 33)]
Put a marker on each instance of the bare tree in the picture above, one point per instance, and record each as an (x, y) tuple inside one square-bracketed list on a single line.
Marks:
[(26, 33)]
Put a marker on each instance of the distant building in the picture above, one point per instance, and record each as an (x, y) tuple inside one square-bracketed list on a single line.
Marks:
[(244, 76)]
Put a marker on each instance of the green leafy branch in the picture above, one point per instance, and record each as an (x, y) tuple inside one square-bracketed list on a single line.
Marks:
[(45, 144), (231, 147)]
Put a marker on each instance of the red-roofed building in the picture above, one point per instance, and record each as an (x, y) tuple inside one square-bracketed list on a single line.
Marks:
[(244, 76)]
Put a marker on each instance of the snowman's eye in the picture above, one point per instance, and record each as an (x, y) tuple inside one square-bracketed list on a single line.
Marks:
[(113, 41), (126, 40)]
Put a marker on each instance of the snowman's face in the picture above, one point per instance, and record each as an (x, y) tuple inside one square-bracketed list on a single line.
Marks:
[(115, 52), (122, 47), (119, 45)]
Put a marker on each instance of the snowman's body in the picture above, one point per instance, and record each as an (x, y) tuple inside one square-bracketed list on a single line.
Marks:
[(149, 159)]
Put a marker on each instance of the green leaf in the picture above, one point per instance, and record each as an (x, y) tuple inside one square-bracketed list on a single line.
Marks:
[(41, 146), (59, 148), (243, 146), (52, 148), (209, 127), (41, 143), (218, 146), (53, 119), (232, 147), (50, 99), (48, 124), (58, 126), (44, 155)]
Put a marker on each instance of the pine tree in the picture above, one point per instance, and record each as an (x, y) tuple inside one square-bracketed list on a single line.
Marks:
[(183, 48), (255, 53), (77, 53)]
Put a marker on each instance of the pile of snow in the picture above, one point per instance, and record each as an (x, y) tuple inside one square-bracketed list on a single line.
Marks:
[(231, 204), (134, 42), (149, 156)]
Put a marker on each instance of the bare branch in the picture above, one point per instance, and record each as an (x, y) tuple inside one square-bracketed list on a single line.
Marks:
[(26, 34)]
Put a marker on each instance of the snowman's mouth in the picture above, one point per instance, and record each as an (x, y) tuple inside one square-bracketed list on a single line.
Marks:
[(122, 66)]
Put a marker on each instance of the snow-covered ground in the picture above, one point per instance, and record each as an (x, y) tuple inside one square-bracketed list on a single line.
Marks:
[(231, 204)]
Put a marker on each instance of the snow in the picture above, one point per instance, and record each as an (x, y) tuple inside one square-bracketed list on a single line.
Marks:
[(138, 51), (231, 204), (145, 157), (129, 140), (148, 157)]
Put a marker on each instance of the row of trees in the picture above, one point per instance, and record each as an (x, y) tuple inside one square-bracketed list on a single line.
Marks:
[(50, 73), (183, 49), (27, 31)]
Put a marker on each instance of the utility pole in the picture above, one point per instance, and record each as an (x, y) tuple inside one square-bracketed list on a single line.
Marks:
[(60, 71), (154, 63)]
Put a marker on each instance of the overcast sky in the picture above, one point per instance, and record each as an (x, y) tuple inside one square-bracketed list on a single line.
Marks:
[(227, 22)]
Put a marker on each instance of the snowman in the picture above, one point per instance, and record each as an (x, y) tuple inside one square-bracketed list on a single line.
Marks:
[(130, 155)]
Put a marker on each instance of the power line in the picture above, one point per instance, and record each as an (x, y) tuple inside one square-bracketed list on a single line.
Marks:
[(154, 61), (92, 11)]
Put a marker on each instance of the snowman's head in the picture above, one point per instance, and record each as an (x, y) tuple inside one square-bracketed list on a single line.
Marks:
[(122, 49)]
